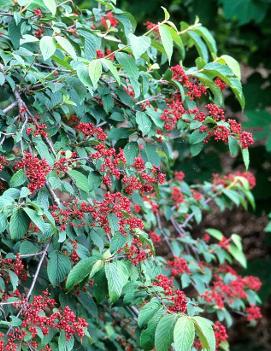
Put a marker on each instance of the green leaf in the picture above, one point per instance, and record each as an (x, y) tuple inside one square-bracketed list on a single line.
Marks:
[(110, 66), (147, 311), (2, 79), (199, 44), (83, 75), (143, 122), (98, 265), (238, 255), (237, 241), (167, 15), (51, 6), (184, 334), (233, 146), (245, 155), (205, 333), (36, 219), (215, 233), (14, 32), (131, 151), (128, 64), (117, 276), (208, 38), (232, 64), (13, 279), (147, 337), (80, 180), (67, 46), (18, 224), (79, 272), (18, 178), (167, 40), (47, 47), (196, 137), (58, 267), (164, 332), (95, 70), (139, 45), (3, 222), (65, 344), (113, 222)]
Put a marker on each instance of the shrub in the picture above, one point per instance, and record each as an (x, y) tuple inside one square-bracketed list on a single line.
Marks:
[(97, 245)]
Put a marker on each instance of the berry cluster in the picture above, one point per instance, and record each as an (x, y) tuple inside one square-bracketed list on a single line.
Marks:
[(178, 265), (221, 334), (253, 313), (234, 177), (194, 89), (237, 288), (39, 129), (64, 163), (137, 252), (36, 170), (109, 20), (102, 54), (89, 130), (118, 205), (15, 265), (41, 314), (176, 298), (3, 162)]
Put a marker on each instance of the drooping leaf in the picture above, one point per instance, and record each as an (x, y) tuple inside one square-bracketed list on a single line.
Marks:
[(51, 5), (143, 122), (164, 332), (139, 45), (184, 334), (205, 333), (167, 41), (117, 276), (18, 224), (66, 45), (95, 70), (47, 47), (79, 272), (110, 66), (58, 267), (80, 180), (147, 311), (18, 178)]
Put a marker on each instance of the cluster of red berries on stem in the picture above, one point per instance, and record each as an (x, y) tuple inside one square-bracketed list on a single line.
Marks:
[(178, 266), (176, 298), (36, 170)]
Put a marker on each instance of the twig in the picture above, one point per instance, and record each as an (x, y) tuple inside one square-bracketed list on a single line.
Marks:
[(31, 255), (32, 284), (10, 107), (9, 303), (52, 68)]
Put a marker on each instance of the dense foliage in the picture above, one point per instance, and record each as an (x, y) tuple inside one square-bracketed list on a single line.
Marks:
[(96, 215)]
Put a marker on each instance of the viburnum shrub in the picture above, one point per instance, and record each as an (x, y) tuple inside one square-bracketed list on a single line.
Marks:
[(97, 247)]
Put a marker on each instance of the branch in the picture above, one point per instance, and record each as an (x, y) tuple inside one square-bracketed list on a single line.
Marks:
[(32, 284), (10, 107)]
